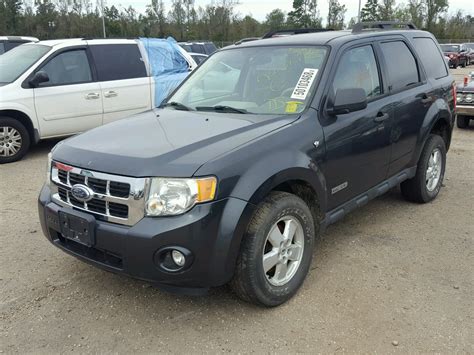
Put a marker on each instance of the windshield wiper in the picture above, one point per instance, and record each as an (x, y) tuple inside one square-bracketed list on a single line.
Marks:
[(221, 108), (177, 106)]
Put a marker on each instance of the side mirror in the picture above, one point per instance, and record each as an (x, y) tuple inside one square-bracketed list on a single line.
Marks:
[(38, 78), (348, 100)]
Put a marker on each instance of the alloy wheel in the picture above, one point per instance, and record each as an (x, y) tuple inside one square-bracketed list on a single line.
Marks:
[(10, 141), (433, 172), (283, 251)]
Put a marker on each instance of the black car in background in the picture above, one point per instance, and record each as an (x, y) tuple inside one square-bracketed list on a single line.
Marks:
[(201, 47), (10, 42), (260, 149)]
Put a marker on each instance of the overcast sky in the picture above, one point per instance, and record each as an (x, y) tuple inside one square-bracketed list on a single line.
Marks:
[(259, 8)]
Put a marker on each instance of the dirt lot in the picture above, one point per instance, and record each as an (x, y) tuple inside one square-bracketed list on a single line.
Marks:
[(391, 277)]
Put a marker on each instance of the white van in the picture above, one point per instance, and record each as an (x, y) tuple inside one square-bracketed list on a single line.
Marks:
[(63, 87)]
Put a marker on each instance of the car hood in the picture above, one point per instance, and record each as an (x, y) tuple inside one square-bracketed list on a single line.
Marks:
[(164, 142), (466, 88), (449, 53)]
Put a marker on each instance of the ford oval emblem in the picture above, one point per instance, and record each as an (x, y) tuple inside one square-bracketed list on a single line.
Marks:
[(82, 193)]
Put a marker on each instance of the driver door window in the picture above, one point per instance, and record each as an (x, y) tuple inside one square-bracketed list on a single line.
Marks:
[(358, 69), (71, 67)]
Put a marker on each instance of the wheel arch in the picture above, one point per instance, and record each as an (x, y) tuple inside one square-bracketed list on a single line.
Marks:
[(439, 121), (25, 120), (297, 180)]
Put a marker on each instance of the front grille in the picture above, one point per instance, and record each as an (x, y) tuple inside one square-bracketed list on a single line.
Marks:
[(116, 199)]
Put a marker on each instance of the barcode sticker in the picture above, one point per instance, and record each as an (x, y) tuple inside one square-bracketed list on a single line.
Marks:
[(304, 83)]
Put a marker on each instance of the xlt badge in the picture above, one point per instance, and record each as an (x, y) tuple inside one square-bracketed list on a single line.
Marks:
[(339, 187)]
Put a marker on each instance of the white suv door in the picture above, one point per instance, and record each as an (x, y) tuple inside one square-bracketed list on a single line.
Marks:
[(123, 78), (70, 102)]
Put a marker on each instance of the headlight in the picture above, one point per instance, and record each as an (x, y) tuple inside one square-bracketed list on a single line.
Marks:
[(468, 98), (48, 171), (170, 197), (458, 97)]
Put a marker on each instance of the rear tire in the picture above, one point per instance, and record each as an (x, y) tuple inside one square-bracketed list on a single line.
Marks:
[(463, 65), (276, 251), (14, 140), (462, 121), (425, 185)]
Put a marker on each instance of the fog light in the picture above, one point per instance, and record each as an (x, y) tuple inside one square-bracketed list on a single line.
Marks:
[(178, 257)]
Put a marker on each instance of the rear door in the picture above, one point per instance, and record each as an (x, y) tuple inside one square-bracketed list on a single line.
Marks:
[(70, 102), (411, 94), (123, 79)]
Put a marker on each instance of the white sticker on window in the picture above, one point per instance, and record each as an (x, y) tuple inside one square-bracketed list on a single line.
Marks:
[(304, 83)]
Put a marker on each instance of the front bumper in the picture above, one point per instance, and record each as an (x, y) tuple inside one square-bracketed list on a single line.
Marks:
[(211, 232), (465, 110)]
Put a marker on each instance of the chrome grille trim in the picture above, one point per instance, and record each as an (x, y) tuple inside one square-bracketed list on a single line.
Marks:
[(135, 200)]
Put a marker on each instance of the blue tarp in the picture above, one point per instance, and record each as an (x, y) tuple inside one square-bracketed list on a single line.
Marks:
[(167, 66)]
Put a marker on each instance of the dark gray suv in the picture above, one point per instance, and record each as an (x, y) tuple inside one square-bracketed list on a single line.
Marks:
[(252, 157)]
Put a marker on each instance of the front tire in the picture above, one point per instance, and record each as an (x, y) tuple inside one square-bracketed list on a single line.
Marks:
[(462, 121), (14, 140), (425, 185), (276, 251)]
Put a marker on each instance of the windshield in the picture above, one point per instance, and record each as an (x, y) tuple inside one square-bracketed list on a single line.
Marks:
[(450, 48), (261, 80), (15, 62)]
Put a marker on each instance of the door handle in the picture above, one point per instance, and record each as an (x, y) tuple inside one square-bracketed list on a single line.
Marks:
[(381, 117), (425, 99), (110, 94), (92, 96)]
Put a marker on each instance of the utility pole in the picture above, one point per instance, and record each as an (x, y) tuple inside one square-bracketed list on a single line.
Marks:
[(103, 17), (358, 16)]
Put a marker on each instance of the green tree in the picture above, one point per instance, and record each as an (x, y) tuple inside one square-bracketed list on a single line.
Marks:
[(10, 14), (305, 14), (370, 11), (275, 20), (336, 14), (387, 10), (433, 9), (416, 10), (156, 18)]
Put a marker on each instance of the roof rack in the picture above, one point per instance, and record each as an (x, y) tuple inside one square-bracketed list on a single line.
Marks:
[(382, 25), (298, 31), (249, 39)]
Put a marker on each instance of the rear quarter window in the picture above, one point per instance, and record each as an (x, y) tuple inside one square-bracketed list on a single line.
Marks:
[(118, 61), (431, 58), (401, 65)]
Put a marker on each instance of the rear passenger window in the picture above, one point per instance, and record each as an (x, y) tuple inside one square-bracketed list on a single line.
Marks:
[(358, 69), (118, 61), (401, 65), (433, 61)]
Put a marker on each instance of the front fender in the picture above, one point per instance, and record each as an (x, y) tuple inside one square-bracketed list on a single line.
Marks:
[(20, 100)]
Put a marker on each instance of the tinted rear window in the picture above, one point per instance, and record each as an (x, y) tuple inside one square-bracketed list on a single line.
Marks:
[(210, 48), (198, 48), (431, 57), (401, 65), (118, 61)]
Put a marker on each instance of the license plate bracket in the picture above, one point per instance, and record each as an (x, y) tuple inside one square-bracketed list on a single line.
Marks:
[(79, 227)]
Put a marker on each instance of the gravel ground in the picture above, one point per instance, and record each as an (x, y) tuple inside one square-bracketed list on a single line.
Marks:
[(392, 277)]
